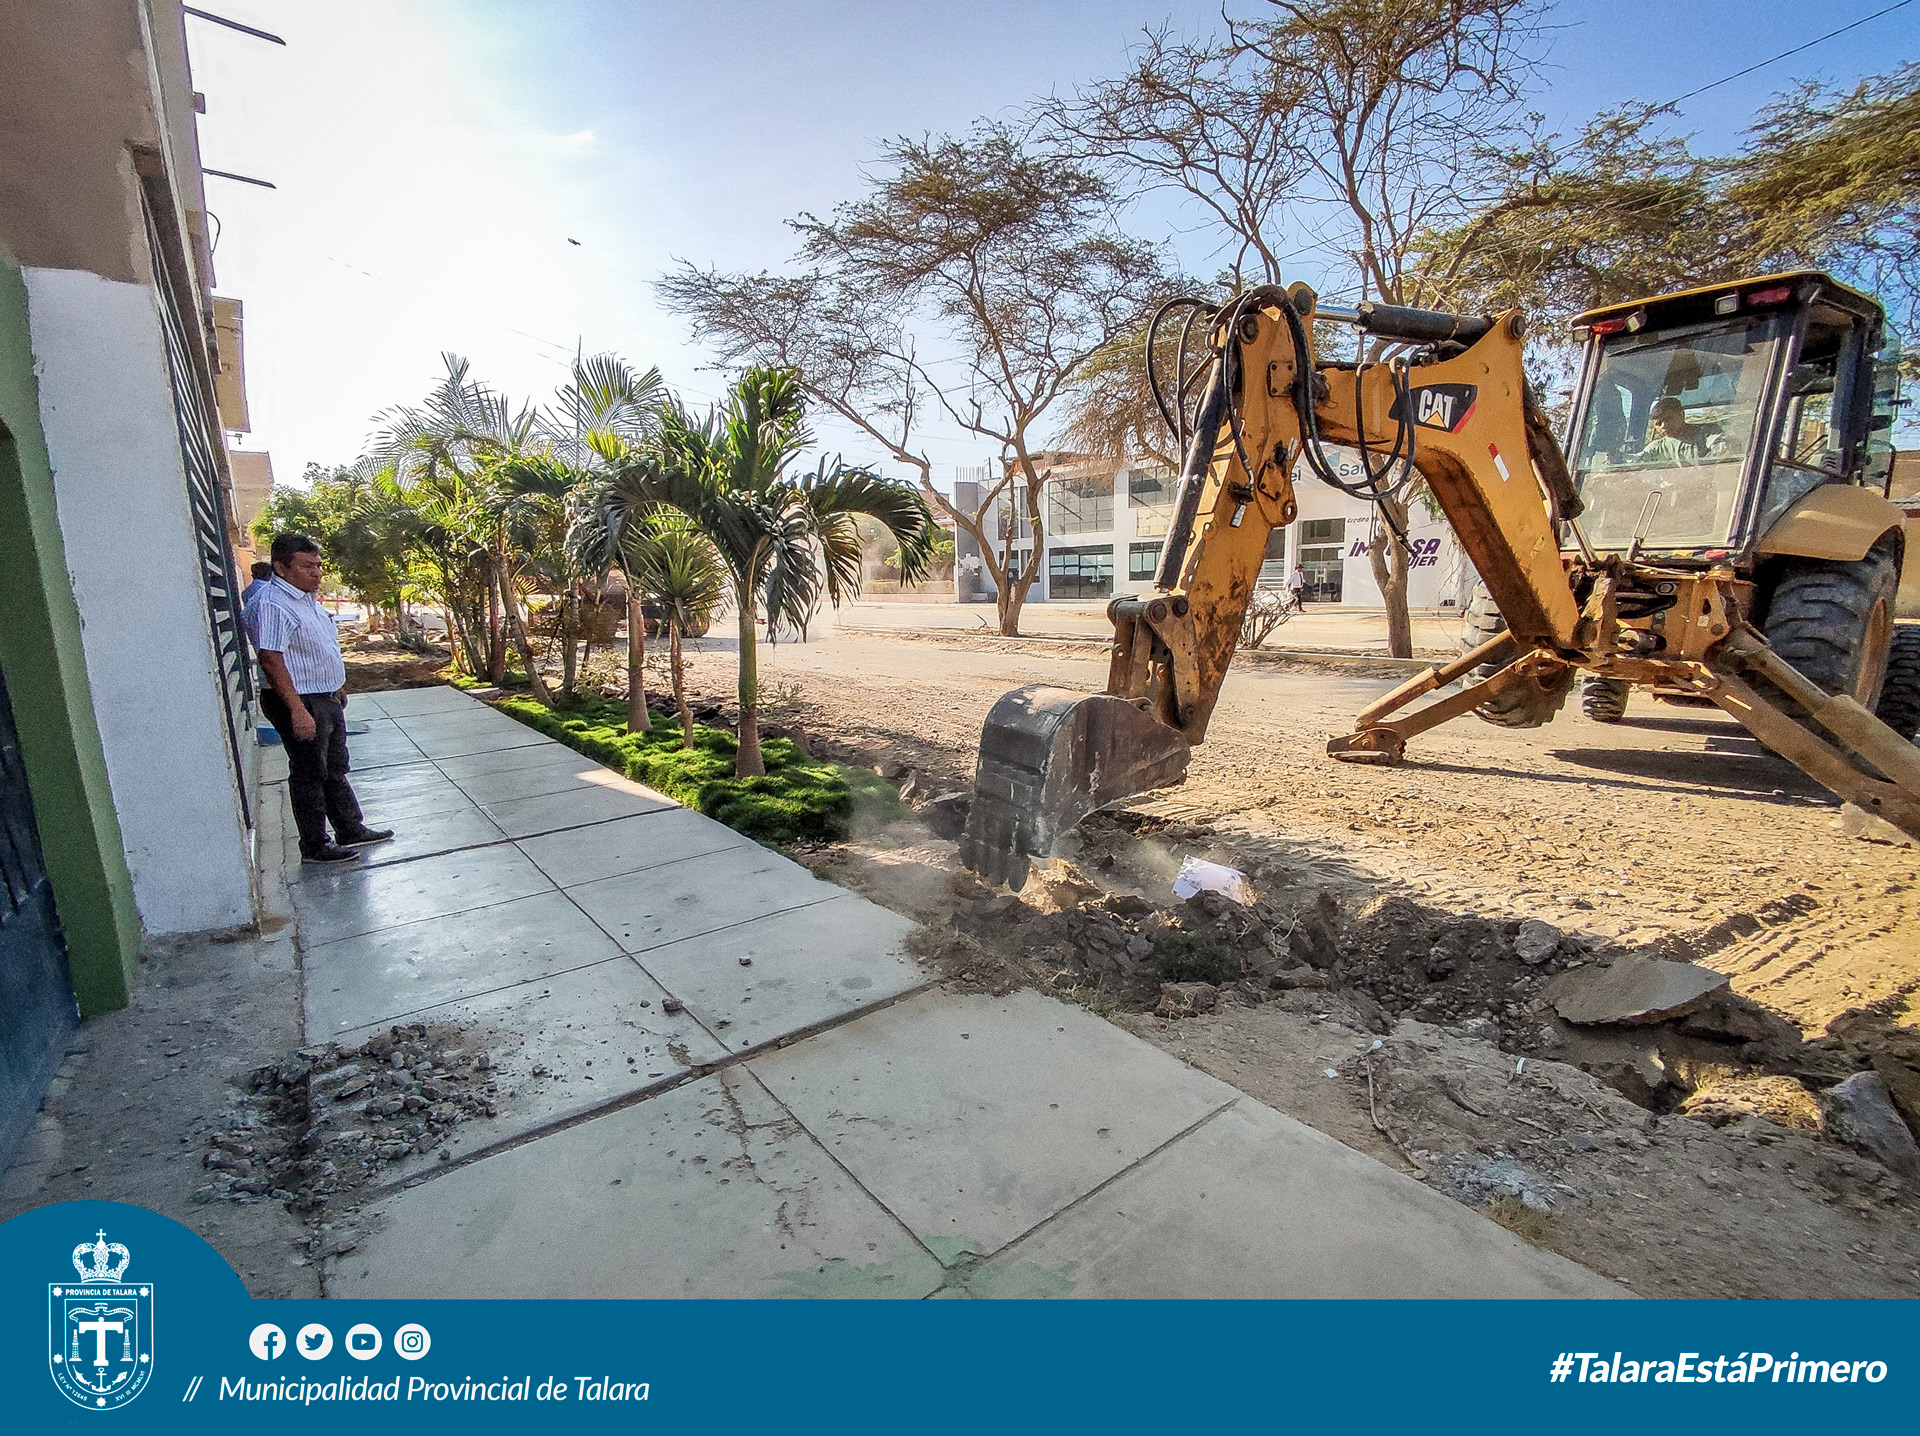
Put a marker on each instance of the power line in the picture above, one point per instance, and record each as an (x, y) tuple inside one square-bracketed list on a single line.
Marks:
[(1728, 79)]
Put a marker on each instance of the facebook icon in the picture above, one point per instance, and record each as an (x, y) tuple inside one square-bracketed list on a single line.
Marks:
[(267, 1341)]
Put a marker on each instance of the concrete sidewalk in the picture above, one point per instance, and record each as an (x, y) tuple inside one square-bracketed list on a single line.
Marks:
[(747, 1088)]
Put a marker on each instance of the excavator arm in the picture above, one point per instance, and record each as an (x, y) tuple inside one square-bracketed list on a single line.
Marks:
[(1459, 416)]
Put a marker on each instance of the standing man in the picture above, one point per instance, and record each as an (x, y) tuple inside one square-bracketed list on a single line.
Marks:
[(1297, 589), (305, 699), (261, 573)]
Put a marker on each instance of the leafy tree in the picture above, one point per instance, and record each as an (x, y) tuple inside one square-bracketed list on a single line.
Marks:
[(499, 488), (604, 410), (1369, 124), (360, 522), (451, 562), (530, 501), (784, 539), (1826, 178), (1004, 256), (1616, 211), (1832, 178)]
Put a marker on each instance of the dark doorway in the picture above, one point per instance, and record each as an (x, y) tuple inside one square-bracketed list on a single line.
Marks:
[(37, 1009)]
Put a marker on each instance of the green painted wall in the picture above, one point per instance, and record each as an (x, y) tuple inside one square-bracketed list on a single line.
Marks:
[(47, 679)]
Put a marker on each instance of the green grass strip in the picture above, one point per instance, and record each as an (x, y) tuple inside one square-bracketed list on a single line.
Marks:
[(800, 799)]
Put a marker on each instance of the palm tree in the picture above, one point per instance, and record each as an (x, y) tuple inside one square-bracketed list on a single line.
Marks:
[(443, 444), (685, 577), (601, 420), (533, 501), (782, 540), (606, 410), (442, 525)]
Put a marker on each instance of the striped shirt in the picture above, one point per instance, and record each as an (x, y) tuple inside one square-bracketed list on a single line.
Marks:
[(281, 619)]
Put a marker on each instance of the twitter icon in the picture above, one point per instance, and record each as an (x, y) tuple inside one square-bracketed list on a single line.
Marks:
[(314, 1341)]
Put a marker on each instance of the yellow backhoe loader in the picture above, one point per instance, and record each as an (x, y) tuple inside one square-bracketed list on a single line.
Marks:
[(1721, 536)]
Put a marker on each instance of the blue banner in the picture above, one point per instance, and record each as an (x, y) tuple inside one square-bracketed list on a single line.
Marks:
[(113, 1316)]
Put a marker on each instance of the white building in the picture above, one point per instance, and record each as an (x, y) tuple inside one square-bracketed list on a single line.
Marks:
[(1105, 527)]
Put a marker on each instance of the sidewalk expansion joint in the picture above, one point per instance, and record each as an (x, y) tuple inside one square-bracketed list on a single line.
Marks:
[(627, 872), (643, 1094), (725, 926), (476, 996), (381, 867), (1098, 1188)]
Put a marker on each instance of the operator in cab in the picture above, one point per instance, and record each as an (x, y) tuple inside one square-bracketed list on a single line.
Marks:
[(1671, 439)]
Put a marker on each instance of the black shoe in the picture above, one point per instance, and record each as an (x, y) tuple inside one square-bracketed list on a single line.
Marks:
[(331, 854), (366, 837)]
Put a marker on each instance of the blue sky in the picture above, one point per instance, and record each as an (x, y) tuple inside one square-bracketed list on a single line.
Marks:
[(434, 158)]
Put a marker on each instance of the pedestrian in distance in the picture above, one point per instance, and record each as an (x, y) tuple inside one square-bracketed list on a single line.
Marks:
[(1297, 589), (262, 571), (303, 693)]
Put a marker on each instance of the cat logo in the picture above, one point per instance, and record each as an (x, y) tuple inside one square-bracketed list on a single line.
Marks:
[(1446, 407)]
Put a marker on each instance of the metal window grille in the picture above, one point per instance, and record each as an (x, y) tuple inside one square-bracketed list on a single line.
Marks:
[(206, 501)]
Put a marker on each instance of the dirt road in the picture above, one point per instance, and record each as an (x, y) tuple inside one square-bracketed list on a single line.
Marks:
[(1670, 825), (1672, 830)]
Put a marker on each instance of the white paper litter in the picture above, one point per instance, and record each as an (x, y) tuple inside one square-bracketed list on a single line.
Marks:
[(1198, 875)]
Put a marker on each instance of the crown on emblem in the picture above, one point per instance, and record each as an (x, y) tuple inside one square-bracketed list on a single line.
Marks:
[(102, 1253)]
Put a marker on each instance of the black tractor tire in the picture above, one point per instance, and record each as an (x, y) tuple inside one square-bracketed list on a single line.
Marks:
[(1604, 700), (1834, 621), (1900, 695), (1530, 705)]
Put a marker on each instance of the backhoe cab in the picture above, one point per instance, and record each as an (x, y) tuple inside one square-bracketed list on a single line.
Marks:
[(1749, 427), (1721, 536)]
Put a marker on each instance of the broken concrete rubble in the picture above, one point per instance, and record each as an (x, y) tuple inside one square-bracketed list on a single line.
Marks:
[(1536, 941), (1861, 1110), (1892, 1050), (1633, 991), (1629, 1062)]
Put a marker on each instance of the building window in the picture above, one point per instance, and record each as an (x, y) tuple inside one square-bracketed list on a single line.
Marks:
[(1143, 561), (1323, 531), (1150, 496), (1150, 488), (1083, 504), (1011, 513), (1326, 567), (1080, 572)]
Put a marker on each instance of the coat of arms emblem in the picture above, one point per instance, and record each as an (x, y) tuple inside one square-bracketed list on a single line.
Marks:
[(100, 1331)]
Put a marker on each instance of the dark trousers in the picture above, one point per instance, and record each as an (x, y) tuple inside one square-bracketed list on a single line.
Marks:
[(317, 768)]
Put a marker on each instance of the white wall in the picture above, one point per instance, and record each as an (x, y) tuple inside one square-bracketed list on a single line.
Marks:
[(121, 490), (1440, 574)]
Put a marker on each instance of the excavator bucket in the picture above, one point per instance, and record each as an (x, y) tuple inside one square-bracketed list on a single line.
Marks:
[(1049, 757)]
